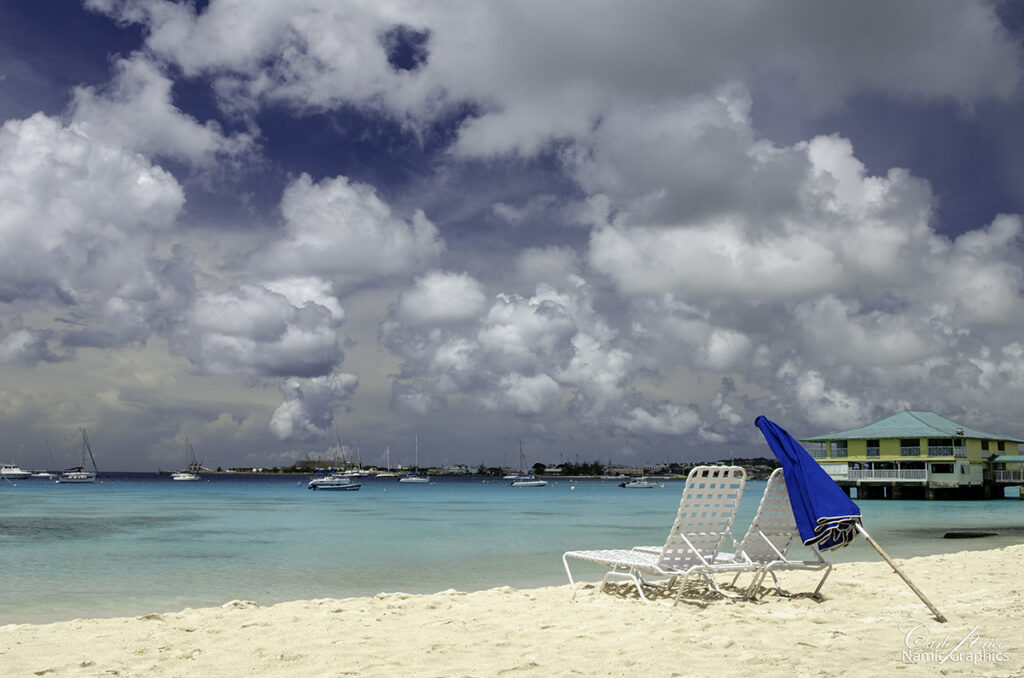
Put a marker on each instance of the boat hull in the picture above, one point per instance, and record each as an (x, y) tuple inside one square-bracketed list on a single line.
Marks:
[(528, 481), (11, 472), (77, 479), (336, 483), (638, 483)]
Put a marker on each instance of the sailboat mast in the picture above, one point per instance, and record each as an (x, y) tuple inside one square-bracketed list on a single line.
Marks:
[(87, 447), (49, 455), (344, 460), (190, 457)]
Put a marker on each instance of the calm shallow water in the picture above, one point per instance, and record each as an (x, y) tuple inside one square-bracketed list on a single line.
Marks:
[(140, 543)]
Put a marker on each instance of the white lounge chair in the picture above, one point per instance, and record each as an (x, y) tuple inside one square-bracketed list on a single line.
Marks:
[(771, 537), (706, 513)]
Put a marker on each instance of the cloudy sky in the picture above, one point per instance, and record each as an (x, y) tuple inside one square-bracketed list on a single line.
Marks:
[(612, 231)]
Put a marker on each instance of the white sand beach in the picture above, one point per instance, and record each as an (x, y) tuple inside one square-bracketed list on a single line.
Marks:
[(861, 628)]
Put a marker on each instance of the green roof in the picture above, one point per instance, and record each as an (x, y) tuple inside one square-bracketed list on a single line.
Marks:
[(1008, 459), (909, 424)]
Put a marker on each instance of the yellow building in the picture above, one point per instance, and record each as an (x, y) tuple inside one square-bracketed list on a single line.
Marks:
[(919, 455)]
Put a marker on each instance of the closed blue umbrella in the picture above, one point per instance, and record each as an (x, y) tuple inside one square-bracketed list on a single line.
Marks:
[(824, 515)]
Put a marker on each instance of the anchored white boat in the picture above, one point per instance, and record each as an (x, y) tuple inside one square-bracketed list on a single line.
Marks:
[(528, 481), (12, 472), (389, 473), (78, 474), (415, 477), (43, 473), (639, 483), (525, 479), (192, 465), (333, 481)]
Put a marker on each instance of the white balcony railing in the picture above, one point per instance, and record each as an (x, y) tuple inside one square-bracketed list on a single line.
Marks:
[(1008, 476), (888, 474)]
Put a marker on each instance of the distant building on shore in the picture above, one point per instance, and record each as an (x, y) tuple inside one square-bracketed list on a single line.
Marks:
[(919, 455)]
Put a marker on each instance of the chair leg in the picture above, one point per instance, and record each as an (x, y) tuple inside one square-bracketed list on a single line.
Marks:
[(682, 584), (568, 572), (817, 591), (778, 587), (625, 574), (759, 576), (755, 580)]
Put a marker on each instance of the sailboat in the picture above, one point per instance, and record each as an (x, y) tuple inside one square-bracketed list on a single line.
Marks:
[(415, 477), (41, 473), (525, 479), (78, 474), (192, 466), (350, 471), (389, 473)]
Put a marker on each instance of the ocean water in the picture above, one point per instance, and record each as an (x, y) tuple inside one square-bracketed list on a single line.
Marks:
[(140, 543)]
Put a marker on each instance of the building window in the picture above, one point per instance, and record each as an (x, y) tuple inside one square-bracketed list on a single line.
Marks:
[(984, 446), (910, 447), (839, 448), (942, 468), (1001, 446), (873, 449), (940, 447)]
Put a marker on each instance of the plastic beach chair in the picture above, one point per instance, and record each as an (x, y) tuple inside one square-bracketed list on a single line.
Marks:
[(706, 513), (772, 536)]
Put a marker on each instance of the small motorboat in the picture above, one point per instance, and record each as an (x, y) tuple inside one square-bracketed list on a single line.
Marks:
[(13, 472), (638, 483), (528, 481), (333, 481)]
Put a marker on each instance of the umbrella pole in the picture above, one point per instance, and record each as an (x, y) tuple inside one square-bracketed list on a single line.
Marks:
[(938, 615)]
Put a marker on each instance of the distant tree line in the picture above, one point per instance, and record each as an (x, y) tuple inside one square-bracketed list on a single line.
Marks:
[(593, 468)]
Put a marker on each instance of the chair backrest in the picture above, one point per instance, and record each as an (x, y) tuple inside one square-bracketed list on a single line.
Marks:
[(773, 530), (707, 509)]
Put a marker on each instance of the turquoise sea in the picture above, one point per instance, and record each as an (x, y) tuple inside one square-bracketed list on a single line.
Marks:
[(132, 544)]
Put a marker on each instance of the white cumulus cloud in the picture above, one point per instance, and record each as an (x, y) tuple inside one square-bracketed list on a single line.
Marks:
[(342, 231)]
